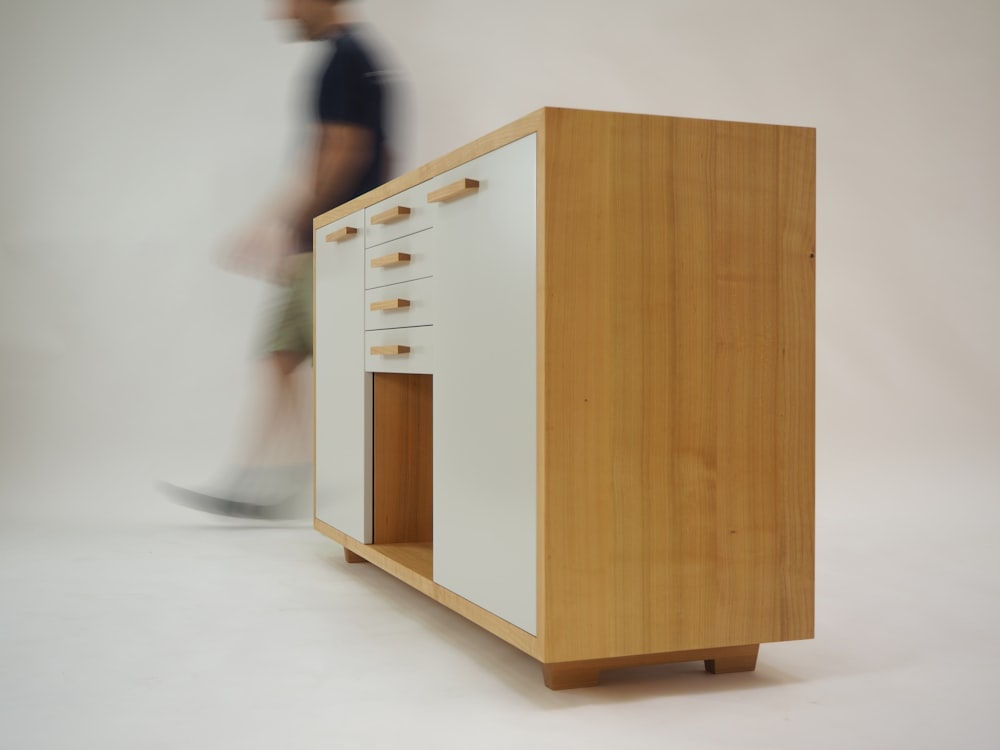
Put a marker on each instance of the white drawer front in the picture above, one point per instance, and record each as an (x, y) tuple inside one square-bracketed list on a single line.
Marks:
[(387, 263), (417, 340), (400, 305), (414, 214)]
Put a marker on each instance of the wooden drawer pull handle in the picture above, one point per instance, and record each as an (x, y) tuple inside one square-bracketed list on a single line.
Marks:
[(453, 191), (393, 214), (390, 304), (342, 234), (386, 351), (387, 261)]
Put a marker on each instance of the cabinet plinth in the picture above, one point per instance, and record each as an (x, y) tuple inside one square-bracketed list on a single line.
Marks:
[(617, 356), (577, 674)]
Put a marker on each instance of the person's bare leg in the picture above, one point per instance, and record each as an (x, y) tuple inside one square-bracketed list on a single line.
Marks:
[(278, 433), (274, 465)]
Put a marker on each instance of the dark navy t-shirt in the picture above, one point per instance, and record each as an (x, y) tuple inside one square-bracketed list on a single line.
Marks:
[(351, 91)]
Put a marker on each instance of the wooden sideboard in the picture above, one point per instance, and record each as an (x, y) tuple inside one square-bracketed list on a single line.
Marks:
[(565, 386)]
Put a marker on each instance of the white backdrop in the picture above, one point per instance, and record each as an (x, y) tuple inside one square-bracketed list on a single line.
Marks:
[(136, 135)]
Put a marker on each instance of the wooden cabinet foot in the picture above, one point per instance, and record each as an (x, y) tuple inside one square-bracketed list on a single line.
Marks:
[(578, 674), (353, 557), (570, 675), (743, 659)]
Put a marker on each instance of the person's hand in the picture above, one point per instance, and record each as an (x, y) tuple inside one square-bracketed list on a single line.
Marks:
[(259, 250)]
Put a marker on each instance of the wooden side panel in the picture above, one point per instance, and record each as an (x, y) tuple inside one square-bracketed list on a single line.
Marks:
[(678, 381), (403, 458), (796, 377)]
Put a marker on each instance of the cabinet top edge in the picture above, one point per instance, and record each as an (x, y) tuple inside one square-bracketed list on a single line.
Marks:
[(535, 122), (509, 133), (572, 112)]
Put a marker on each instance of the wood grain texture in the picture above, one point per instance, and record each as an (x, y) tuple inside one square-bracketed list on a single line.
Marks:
[(391, 215), (587, 673), (416, 557), (392, 350), (453, 191), (678, 460), (411, 563), (344, 233), (676, 381), (353, 557), (393, 259), (389, 304), (541, 381), (403, 459), (733, 660)]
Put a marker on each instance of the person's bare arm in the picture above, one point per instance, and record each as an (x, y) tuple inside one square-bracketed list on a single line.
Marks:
[(333, 165), (343, 151)]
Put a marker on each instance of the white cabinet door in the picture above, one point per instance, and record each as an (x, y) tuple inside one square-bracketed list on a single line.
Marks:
[(343, 388), (485, 385)]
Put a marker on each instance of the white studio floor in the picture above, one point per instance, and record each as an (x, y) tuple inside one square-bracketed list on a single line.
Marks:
[(126, 622)]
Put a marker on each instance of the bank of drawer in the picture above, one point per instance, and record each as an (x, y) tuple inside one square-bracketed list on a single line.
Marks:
[(400, 305), (402, 214), (413, 344), (405, 259)]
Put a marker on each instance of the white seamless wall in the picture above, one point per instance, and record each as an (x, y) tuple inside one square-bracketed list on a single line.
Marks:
[(136, 136)]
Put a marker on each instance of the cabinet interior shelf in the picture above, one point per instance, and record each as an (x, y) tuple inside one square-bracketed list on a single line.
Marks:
[(415, 557)]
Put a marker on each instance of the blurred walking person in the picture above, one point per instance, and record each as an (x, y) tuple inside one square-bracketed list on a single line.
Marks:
[(345, 156)]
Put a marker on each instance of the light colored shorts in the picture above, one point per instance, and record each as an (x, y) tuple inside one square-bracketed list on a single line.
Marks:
[(289, 326)]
